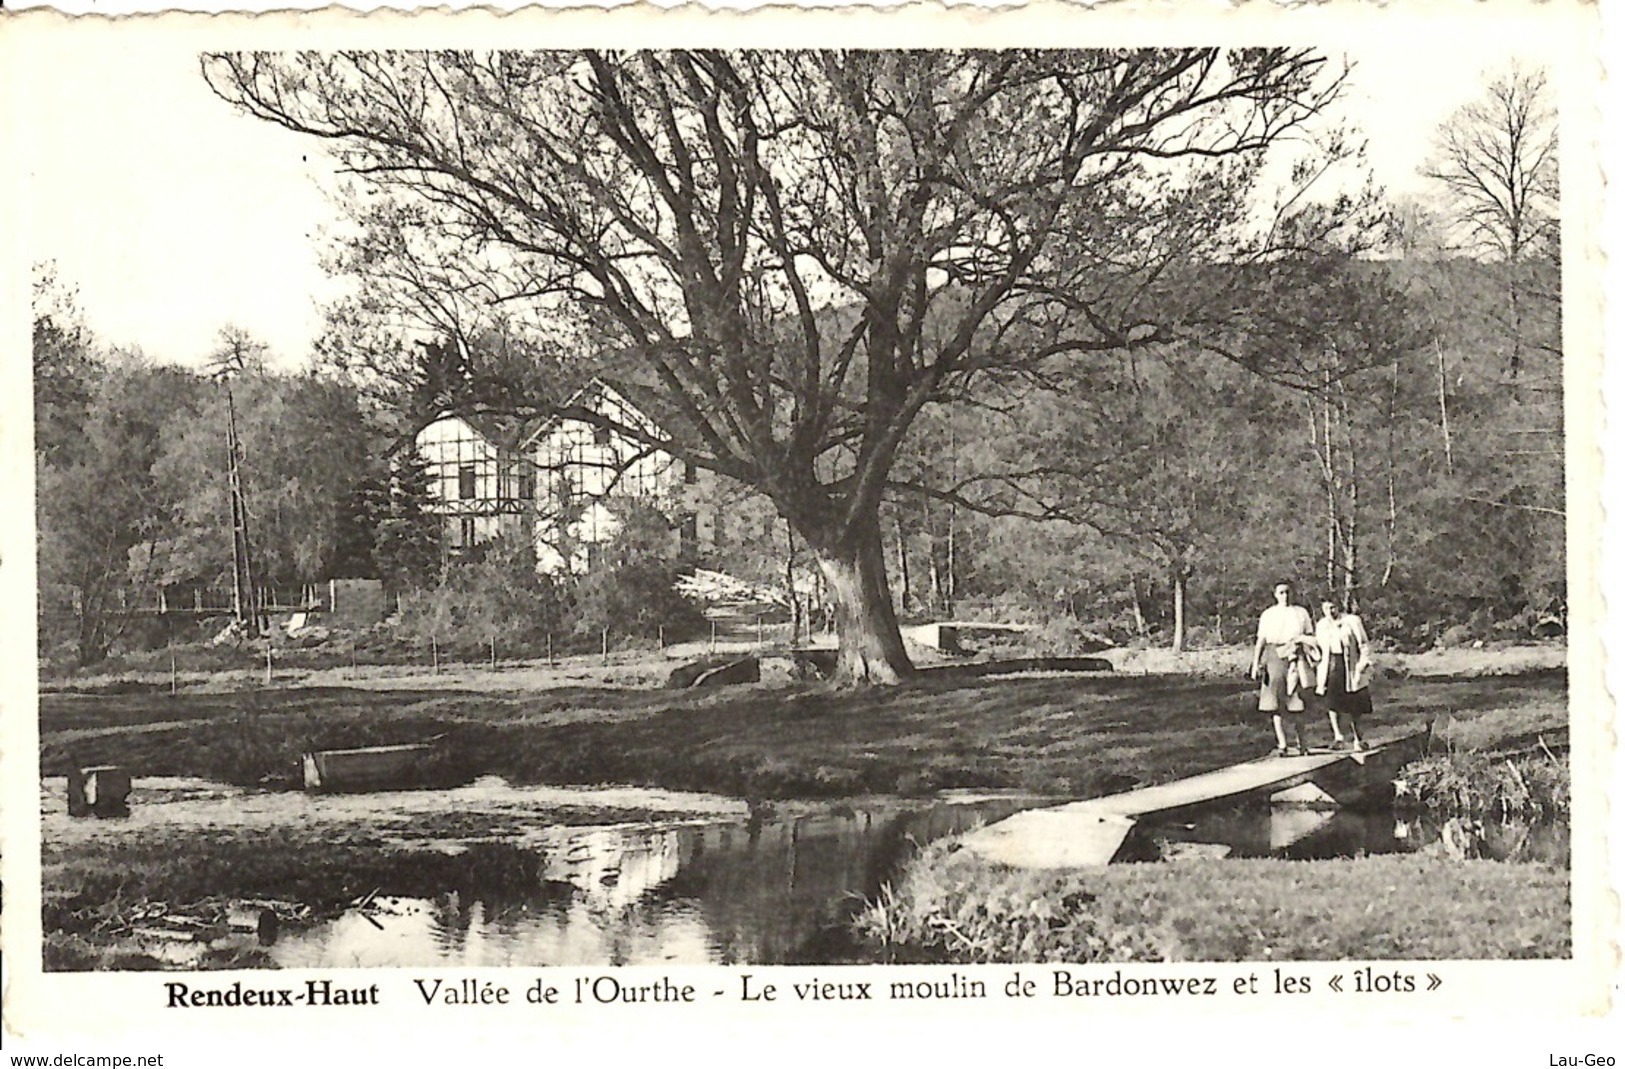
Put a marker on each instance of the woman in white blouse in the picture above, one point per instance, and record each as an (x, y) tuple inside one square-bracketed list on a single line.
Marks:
[(1281, 662), (1344, 673)]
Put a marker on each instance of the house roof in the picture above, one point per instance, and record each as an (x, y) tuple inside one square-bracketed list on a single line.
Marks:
[(644, 400), (504, 431)]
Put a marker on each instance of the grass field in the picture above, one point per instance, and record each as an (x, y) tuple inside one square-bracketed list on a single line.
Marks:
[(1062, 736), (1073, 736), (953, 906)]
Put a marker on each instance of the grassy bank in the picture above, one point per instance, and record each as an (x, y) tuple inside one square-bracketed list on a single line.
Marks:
[(1075, 736), (1063, 736), (953, 906), (92, 892)]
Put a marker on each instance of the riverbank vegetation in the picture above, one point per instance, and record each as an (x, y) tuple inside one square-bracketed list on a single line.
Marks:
[(1513, 781), (952, 906), (94, 893)]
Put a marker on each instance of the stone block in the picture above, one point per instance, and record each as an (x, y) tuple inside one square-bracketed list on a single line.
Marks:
[(100, 790)]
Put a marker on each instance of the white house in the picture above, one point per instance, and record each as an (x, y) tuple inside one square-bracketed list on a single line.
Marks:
[(558, 483), (480, 481)]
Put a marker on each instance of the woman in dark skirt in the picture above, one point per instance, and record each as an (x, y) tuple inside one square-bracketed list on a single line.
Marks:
[(1344, 676)]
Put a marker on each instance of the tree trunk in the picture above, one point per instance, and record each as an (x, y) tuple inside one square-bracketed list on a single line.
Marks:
[(903, 580), (854, 567), (1351, 524), (790, 583), (1139, 613), (93, 644), (1180, 579), (1444, 413), (1392, 556), (1326, 456), (1515, 361), (933, 546), (950, 587), (1328, 465), (936, 578)]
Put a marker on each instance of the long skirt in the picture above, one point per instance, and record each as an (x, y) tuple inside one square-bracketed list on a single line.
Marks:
[(1339, 698)]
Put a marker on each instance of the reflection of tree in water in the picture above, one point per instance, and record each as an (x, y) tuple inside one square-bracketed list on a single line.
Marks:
[(763, 888), (1307, 834), (612, 868), (781, 889), (776, 889), (451, 917)]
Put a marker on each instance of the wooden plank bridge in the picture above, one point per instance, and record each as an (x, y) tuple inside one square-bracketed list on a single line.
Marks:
[(1091, 832)]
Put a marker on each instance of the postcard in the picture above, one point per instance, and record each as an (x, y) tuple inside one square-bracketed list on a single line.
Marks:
[(553, 529)]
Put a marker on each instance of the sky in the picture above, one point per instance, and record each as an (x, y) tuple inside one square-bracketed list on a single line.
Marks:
[(174, 216)]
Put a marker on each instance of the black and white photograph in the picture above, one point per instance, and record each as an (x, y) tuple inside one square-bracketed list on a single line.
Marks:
[(531, 498)]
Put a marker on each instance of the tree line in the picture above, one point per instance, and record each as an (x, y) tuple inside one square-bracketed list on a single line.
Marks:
[(976, 325)]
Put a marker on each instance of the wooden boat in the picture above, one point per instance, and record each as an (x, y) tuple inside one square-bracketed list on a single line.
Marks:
[(369, 768)]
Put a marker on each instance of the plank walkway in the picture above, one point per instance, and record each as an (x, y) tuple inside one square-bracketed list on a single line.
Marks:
[(1090, 832)]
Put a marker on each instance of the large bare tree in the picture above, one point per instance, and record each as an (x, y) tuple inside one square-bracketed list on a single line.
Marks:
[(799, 251), (1497, 159)]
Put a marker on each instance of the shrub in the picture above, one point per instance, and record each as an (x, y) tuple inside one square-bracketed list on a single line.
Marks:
[(1486, 787), (947, 910), (635, 598), (1062, 636), (498, 595)]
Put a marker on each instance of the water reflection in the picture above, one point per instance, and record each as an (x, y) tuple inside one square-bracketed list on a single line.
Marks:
[(778, 888), (771, 889), (1308, 834)]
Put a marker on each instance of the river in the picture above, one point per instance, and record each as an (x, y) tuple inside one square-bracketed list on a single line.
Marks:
[(639, 877)]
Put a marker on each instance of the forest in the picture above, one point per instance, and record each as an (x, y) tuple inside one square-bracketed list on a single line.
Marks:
[(1369, 405)]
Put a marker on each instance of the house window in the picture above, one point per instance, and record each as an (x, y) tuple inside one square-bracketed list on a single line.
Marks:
[(467, 531), (465, 482), (527, 483), (600, 436)]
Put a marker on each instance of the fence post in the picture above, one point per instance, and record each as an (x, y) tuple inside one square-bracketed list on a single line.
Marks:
[(173, 681), (713, 636), (268, 660), (353, 671), (550, 649), (493, 653), (434, 652), (758, 630), (606, 645)]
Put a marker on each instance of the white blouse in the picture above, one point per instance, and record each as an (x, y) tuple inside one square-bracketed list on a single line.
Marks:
[(1345, 636)]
